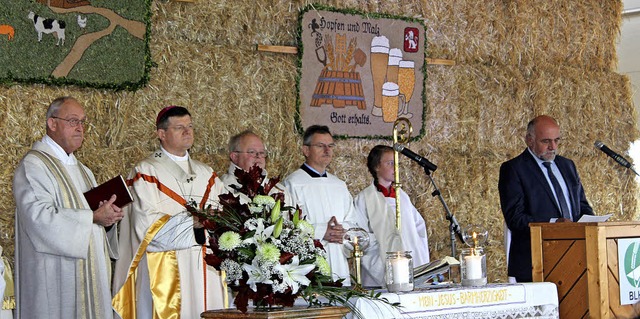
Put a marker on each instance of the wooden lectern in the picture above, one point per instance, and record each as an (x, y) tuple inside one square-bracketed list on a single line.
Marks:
[(582, 260)]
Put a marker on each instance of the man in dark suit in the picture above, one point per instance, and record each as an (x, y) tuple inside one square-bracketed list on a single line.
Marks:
[(536, 186)]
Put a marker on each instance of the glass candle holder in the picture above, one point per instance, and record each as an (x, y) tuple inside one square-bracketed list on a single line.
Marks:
[(473, 267), (399, 271)]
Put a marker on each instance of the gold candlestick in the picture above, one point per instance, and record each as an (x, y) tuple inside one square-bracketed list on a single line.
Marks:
[(357, 240), (357, 254), (401, 134)]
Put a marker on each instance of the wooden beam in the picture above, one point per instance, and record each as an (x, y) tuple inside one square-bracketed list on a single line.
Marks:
[(597, 271), (440, 62), (537, 254), (277, 49)]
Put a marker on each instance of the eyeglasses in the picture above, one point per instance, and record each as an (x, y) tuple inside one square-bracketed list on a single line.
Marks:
[(256, 154), (323, 146), (72, 122)]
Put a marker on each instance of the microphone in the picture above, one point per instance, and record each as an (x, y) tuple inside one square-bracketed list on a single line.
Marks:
[(419, 159), (621, 160)]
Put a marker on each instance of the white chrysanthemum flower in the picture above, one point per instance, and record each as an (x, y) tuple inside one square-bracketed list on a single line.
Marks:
[(264, 201), (323, 265), (229, 241), (268, 253), (306, 228)]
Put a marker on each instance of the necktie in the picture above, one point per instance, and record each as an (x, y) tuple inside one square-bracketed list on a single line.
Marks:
[(559, 194)]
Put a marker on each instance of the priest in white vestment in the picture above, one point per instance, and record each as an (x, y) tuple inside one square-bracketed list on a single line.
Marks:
[(160, 241), (247, 150), (377, 203), (324, 198), (63, 249)]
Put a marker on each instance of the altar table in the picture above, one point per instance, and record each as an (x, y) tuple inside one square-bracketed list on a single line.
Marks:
[(526, 300)]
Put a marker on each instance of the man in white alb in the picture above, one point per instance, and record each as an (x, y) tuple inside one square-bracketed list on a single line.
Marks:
[(323, 198), (63, 248), (159, 238)]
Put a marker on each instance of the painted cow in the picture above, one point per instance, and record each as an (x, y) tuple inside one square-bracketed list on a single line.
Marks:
[(47, 26), (8, 30)]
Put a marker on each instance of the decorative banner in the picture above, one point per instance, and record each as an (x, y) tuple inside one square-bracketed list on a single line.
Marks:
[(629, 270), (95, 43), (359, 73)]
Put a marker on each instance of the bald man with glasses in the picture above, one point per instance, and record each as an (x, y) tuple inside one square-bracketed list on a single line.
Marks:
[(247, 150), (63, 248)]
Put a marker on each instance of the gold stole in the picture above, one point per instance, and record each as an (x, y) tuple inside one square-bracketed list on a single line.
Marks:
[(164, 275), (165, 286), (86, 283)]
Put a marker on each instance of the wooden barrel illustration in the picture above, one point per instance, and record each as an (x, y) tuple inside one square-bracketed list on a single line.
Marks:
[(339, 89)]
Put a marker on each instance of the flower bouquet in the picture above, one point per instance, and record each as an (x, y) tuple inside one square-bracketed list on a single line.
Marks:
[(266, 250)]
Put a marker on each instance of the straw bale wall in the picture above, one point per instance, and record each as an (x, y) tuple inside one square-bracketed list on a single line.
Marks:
[(514, 60)]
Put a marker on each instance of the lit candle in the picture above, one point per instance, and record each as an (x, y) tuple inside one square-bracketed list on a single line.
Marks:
[(400, 270), (473, 266)]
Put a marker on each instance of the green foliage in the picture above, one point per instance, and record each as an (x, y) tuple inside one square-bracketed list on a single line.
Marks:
[(128, 9), (108, 61), (343, 296), (116, 61)]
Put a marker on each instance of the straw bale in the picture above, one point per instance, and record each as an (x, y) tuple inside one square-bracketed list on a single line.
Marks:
[(526, 33), (515, 60)]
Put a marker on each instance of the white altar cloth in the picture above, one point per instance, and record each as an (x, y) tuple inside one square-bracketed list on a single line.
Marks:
[(525, 300)]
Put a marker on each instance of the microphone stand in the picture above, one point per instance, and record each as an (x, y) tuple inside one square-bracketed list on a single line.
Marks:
[(454, 227)]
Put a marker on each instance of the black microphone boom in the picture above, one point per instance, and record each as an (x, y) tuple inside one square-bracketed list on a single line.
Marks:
[(621, 160), (419, 159)]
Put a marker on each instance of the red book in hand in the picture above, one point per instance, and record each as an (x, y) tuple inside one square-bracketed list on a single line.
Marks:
[(104, 191)]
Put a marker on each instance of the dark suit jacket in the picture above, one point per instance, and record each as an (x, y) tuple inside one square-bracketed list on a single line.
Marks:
[(526, 197)]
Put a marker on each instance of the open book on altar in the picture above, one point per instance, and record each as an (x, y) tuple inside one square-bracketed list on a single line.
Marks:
[(104, 191), (426, 272)]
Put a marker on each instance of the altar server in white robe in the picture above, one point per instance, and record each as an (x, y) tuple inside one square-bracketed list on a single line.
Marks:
[(160, 241), (63, 248), (247, 150), (377, 203), (323, 198)]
